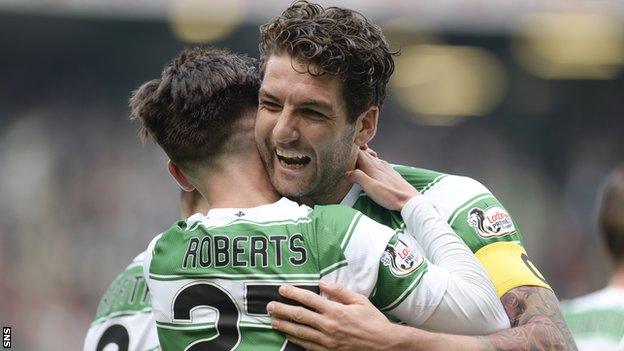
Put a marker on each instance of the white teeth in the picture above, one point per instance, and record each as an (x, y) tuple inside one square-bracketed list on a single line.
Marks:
[(289, 154)]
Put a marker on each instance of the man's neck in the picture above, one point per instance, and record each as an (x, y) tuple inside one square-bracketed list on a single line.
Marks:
[(337, 193), (617, 278), (335, 196), (239, 185)]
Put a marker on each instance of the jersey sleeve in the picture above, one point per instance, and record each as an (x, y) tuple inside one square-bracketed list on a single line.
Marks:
[(484, 224), (376, 261), (392, 269), (408, 286), (124, 317), (469, 304)]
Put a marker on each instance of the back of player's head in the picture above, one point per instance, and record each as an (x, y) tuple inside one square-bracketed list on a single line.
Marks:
[(193, 110), (336, 41), (611, 215), (192, 202)]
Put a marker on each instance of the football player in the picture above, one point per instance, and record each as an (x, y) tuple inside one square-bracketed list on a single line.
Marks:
[(212, 276), (325, 73), (597, 319)]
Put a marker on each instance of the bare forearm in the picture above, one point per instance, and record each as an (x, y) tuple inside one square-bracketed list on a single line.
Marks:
[(537, 324), (536, 320), (539, 335), (533, 336)]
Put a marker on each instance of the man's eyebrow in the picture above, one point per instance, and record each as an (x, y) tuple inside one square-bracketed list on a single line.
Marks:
[(265, 93), (308, 103), (311, 103)]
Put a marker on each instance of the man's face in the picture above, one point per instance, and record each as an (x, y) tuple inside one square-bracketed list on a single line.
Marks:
[(302, 131)]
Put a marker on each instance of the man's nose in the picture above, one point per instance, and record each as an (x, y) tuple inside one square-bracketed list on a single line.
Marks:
[(286, 130)]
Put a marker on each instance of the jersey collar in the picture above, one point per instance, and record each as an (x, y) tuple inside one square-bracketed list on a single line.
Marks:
[(352, 196), (283, 209)]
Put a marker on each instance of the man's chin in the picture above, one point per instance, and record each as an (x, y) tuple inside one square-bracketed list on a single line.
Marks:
[(293, 190), (290, 192)]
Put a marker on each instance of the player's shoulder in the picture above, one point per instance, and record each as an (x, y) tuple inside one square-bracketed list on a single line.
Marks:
[(336, 216), (335, 211), (172, 236), (420, 178), (475, 214), (126, 294), (164, 247), (439, 183), (449, 192)]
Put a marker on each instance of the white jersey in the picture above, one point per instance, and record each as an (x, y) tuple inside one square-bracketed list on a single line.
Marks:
[(124, 319), (597, 320)]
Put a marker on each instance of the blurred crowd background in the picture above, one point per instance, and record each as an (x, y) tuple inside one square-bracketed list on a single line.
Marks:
[(527, 97)]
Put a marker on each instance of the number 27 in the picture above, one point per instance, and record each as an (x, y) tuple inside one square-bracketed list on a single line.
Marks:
[(228, 319)]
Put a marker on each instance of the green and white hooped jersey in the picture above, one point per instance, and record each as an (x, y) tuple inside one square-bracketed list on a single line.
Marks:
[(212, 276), (475, 215), (124, 316), (596, 320)]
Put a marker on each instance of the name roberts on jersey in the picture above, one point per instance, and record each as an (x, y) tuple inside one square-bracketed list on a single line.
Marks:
[(244, 250)]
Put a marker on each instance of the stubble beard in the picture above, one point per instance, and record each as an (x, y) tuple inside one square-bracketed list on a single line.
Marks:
[(323, 184), (322, 188)]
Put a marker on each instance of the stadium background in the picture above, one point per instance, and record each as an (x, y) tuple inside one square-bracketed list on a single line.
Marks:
[(528, 99)]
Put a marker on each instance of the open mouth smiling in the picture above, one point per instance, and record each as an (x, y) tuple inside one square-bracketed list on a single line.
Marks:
[(292, 159)]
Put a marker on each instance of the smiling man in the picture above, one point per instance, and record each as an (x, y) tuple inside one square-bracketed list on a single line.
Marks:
[(325, 73), (304, 163)]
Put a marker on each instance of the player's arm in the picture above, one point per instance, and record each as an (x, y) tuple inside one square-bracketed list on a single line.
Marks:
[(351, 322), (468, 302), (532, 307), (469, 288), (538, 325), (406, 286)]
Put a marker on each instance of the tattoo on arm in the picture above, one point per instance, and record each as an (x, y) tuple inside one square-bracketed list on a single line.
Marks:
[(536, 322)]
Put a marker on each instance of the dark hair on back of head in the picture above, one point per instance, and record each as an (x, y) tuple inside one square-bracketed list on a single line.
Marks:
[(611, 215), (337, 41), (192, 109)]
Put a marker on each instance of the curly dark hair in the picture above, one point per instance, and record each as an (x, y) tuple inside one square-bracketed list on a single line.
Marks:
[(192, 109), (336, 41)]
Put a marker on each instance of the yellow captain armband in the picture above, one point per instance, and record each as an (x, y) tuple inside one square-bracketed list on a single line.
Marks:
[(509, 267)]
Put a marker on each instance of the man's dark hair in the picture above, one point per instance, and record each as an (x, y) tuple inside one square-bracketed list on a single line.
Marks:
[(337, 41), (192, 109), (611, 215)]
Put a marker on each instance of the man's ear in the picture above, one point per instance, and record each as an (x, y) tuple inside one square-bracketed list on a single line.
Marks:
[(179, 177), (366, 126)]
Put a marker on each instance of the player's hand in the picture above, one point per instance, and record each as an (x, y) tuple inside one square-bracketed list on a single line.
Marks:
[(350, 322), (380, 181)]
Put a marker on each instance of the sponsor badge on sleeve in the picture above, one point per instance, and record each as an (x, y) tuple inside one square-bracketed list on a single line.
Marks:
[(401, 259), (494, 221)]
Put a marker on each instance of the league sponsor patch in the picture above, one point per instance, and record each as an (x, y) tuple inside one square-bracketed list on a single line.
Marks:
[(494, 221), (401, 259)]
